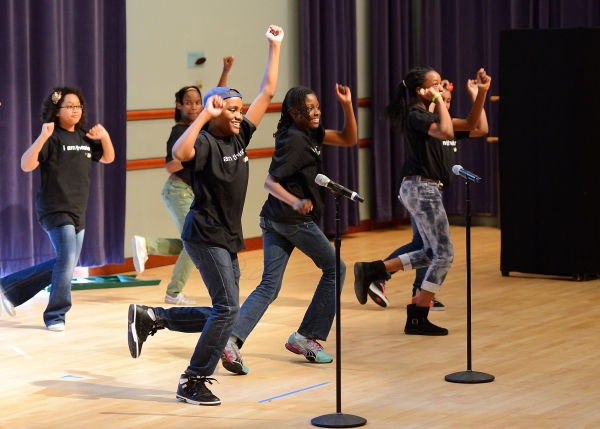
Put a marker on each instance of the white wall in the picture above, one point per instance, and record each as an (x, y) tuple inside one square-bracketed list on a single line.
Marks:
[(160, 33)]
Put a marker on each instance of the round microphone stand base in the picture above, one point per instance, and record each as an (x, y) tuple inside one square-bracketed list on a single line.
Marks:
[(469, 377), (338, 421)]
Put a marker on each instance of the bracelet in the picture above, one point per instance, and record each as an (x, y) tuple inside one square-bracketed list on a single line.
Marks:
[(483, 85), (226, 70), (435, 96)]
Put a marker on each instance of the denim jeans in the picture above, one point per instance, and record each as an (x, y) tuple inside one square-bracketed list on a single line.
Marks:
[(279, 240), (221, 274), (178, 197), (415, 244), (21, 286), (424, 202)]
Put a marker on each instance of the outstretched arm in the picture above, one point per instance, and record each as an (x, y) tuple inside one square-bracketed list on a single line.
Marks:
[(29, 160), (473, 121), (349, 135), (183, 149), (301, 206), (259, 106), (98, 132), (227, 64)]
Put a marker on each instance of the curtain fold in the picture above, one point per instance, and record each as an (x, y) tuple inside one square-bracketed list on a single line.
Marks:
[(456, 38), (53, 43), (329, 56)]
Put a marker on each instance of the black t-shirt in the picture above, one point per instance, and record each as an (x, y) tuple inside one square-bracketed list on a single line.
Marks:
[(428, 156), (65, 167), (176, 132), (296, 162), (219, 179)]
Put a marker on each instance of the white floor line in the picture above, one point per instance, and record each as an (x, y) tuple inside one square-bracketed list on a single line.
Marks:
[(21, 352)]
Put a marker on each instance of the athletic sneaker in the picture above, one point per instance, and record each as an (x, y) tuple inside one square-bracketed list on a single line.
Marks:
[(376, 292), (232, 359), (310, 348), (8, 306), (192, 389), (141, 323), (140, 253), (434, 305), (179, 299), (57, 327)]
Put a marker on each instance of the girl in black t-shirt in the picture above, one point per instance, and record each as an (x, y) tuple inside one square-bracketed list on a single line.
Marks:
[(461, 131), (425, 171), (289, 220), (64, 152), (178, 195), (214, 149)]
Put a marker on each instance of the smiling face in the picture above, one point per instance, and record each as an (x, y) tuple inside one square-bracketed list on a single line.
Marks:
[(228, 122), (190, 106), (70, 112), (309, 117)]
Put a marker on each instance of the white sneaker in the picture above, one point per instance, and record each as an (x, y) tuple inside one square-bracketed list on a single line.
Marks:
[(180, 299), (140, 253), (8, 306), (56, 327)]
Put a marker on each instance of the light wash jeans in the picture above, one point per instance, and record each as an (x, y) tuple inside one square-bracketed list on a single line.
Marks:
[(424, 202), (178, 198), (221, 274), (21, 286), (279, 240)]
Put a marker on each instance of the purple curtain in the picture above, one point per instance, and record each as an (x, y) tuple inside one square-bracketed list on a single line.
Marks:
[(47, 43), (456, 38), (329, 57)]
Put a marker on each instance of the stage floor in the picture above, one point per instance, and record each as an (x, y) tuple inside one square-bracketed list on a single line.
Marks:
[(537, 335)]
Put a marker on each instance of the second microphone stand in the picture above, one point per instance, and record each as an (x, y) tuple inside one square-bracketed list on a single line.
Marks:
[(469, 376)]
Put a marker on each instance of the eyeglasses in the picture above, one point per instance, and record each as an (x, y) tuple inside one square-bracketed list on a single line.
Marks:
[(72, 107)]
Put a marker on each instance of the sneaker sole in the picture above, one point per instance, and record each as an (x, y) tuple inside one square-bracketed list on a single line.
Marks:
[(377, 297), (434, 308), (359, 288), (132, 338), (136, 261), (312, 359), (189, 401), (234, 367), (10, 309)]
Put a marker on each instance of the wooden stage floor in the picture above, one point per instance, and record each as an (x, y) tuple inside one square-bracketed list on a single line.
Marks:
[(537, 335)]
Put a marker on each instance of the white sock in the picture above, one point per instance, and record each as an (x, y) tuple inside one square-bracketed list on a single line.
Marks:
[(299, 336), (151, 314), (233, 338)]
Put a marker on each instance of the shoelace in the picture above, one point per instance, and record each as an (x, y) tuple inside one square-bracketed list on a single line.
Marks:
[(196, 383), (146, 329), (313, 345)]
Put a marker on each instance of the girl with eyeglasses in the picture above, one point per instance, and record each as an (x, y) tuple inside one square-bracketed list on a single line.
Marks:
[(178, 195), (64, 151)]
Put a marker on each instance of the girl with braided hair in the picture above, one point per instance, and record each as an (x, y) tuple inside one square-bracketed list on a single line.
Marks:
[(289, 220), (426, 170)]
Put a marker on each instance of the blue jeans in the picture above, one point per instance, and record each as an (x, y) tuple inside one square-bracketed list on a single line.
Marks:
[(279, 240), (21, 286), (415, 244), (221, 274), (424, 202)]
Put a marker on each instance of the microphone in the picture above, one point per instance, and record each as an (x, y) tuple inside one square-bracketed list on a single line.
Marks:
[(459, 171), (323, 180)]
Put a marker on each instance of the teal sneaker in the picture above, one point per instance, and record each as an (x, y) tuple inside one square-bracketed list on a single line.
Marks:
[(311, 349), (232, 359)]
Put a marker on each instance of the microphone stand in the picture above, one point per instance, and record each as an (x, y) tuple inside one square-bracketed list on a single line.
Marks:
[(469, 376), (338, 420)]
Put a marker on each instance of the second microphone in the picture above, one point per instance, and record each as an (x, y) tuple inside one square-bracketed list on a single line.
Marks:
[(323, 180)]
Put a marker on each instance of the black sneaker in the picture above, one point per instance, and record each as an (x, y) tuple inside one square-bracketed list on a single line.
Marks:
[(437, 305), (377, 293), (141, 323), (364, 274), (192, 389)]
